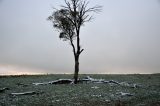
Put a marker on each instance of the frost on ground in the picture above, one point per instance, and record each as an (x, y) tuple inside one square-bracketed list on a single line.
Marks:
[(87, 79), (98, 90)]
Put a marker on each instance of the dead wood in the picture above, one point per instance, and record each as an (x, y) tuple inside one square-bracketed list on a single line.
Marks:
[(60, 81), (124, 94), (88, 79), (24, 93)]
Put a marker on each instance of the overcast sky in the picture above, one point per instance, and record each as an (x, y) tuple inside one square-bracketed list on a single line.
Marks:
[(123, 38)]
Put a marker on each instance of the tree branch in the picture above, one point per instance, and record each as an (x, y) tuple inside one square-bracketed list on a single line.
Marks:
[(74, 50), (81, 51)]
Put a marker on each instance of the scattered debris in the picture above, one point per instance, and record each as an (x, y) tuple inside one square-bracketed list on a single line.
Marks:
[(124, 94), (88, 78), (3, 89), (95, 87), (24, 93), (60, 81), (112, 82), (129, 85)]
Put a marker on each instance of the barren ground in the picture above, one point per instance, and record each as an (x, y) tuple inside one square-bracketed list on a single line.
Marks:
[(84, 94)]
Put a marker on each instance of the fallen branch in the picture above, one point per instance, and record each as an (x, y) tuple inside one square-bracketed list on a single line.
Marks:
[(112, 82), (25, 93), (89, 79), (60, 81), (44, 83), (124, 94)]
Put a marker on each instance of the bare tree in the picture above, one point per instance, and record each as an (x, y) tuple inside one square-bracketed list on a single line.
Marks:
[(69, 20)]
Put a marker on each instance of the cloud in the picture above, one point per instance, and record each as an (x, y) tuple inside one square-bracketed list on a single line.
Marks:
[(124, 38)]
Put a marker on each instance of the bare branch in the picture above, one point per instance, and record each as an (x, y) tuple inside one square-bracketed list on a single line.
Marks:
[(94, 9), (81, 51)]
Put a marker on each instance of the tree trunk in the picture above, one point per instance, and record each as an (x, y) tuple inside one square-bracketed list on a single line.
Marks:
[(76, 69)]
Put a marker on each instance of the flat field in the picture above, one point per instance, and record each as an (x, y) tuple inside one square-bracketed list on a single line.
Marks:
[(145, 93)]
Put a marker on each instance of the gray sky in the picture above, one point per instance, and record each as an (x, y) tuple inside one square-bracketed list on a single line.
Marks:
[(123, 38)]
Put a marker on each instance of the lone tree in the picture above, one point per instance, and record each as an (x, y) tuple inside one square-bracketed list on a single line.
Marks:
[(69, 20)]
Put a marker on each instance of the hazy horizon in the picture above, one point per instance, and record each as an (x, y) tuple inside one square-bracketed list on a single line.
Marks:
[(122, 39)]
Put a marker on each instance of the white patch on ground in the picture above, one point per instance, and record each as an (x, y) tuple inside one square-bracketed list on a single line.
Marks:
[(57, 100), (95, 87), (96, 95), (107, 100)]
